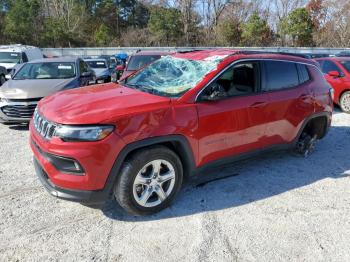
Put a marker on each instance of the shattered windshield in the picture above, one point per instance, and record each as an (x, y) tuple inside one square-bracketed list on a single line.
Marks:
[(171, 76)]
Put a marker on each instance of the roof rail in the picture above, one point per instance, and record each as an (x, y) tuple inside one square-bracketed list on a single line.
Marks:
[(307, 56)]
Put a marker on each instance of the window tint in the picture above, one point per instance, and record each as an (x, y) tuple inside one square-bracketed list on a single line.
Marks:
[(303, 73), (280, 75), (346, 64), (24, 58), (328, 66), (46, 70), (138, 61), (240, 79), (83, 67)]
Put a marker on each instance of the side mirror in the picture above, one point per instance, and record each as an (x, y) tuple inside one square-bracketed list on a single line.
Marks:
[(214, 92), (334, 73), (86, 74)]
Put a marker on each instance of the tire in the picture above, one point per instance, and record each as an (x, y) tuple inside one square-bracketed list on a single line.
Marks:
[(344, 102), (2, 80), (151, 194)]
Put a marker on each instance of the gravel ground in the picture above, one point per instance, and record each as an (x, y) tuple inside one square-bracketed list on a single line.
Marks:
[(273, 208)]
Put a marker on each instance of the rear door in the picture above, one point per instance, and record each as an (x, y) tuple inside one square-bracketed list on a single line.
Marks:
[(234, 123), (288, 87)]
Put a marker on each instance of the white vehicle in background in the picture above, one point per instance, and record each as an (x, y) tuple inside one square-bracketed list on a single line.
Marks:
[(13, 55)]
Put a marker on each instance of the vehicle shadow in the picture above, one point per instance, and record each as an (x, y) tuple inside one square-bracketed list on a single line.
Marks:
[(19, 127), (241, 183)]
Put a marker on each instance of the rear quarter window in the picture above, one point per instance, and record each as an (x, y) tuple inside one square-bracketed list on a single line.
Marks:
[(304, 75), (280, 75)]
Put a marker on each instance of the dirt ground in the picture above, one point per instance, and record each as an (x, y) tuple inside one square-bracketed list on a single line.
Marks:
[(278, 207)]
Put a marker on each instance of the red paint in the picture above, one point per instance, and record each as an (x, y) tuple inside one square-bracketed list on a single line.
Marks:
[(339, 84), (214, 130)]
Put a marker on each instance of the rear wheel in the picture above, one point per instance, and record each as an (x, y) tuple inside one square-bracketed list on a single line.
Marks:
[(306, 144), (149, 181), (344, 102)]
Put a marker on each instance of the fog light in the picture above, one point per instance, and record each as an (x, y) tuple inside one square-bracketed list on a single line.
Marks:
[(66, 165)]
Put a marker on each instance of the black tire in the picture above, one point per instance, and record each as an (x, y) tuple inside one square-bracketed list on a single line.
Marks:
[(2, 80), (124, 187), (344, 102)]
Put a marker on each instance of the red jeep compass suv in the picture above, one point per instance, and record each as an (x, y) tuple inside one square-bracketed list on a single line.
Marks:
[(137, 140)]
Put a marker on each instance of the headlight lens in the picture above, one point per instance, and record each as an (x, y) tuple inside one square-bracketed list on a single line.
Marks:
[(3, 100), (83, 133)]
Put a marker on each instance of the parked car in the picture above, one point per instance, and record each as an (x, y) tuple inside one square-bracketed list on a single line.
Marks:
[(343, 54), (12, 55), (337, 72), (120, 66), (3, 73), (37, 79), (140, 60), (101, 68), (137, 140)]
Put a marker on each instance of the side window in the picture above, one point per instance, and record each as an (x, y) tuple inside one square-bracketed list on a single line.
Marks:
[(304, 75), (240, 79), (280, 75), (328, 66), (83, 67), (24, 58)]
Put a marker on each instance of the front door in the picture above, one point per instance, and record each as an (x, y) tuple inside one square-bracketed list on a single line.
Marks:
[(231, 112)]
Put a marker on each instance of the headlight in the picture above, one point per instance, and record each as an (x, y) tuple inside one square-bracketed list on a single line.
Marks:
[(3, 100), (82, 133)]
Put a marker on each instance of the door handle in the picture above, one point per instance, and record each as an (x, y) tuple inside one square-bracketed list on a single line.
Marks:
[(258, 104)]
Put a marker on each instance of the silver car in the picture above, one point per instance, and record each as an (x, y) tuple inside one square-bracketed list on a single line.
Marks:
[(37, 79), (102, 69)]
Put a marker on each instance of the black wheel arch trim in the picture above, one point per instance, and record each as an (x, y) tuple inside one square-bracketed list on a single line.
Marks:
[(311, 117), (186, 156)]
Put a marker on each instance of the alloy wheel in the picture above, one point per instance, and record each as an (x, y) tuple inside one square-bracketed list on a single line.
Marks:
[(154, 183), (345, 102)]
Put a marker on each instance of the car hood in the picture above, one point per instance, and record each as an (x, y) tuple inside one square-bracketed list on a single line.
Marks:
[(24, 89), (101, 71), (98, 104)]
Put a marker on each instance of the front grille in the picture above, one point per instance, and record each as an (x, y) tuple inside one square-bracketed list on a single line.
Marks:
[(37, 99), (19, 111), (44, 127)]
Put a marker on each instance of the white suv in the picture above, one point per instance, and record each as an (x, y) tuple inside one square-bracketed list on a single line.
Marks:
[(12, 55)]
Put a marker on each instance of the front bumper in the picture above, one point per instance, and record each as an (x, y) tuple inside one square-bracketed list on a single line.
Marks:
[(96, 158), (103, 79), (81, 196), (17, 112)]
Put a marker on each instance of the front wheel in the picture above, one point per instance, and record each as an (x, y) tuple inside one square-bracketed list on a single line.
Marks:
[(149, 181), (344, 102)]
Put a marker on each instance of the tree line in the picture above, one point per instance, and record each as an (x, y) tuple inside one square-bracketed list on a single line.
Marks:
[(75, 23)]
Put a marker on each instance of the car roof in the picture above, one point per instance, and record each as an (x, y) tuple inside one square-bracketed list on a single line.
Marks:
[(55, 59), (141, 53), (15, 48), (212, 54)]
